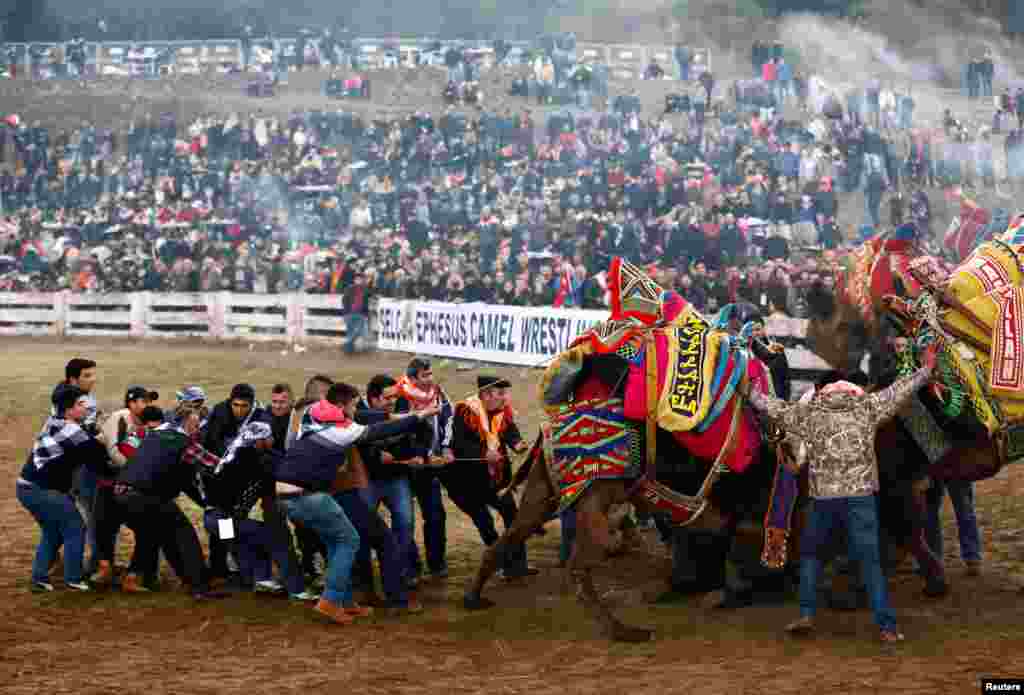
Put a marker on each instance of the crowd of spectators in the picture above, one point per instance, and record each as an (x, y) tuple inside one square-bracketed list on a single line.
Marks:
[(719, 196)]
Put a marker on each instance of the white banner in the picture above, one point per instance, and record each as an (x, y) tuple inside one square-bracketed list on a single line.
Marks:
[(526, 336)]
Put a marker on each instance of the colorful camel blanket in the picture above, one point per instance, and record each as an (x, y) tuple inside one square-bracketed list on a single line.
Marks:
[(873, 270), (778, 520), (979, 308), (591, 443), (698, 366)]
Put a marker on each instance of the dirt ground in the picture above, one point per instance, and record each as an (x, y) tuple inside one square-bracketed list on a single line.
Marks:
[(537, 640)]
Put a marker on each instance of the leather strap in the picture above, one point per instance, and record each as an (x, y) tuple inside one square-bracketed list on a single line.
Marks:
[(651, 362)]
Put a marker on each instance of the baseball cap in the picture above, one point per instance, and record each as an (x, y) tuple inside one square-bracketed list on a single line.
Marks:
[(136, 392), (191, 394)]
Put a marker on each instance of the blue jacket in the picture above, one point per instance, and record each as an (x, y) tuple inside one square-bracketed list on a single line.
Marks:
[(312, 462)]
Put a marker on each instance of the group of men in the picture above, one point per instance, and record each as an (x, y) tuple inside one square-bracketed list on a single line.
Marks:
[(319, 467)]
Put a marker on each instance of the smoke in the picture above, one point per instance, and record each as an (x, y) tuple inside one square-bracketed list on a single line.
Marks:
[(908, 47)]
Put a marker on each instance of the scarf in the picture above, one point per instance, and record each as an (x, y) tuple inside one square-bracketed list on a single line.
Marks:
[(418, 398), (51, 441), (489, 427), (249, 434)]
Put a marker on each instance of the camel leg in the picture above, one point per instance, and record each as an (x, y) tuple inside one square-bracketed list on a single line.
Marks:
[(593, 536), (536, 505), (931, 566)]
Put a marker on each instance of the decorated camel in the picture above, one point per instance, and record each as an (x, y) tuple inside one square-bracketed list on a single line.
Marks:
[(970, 423), (648, 396)]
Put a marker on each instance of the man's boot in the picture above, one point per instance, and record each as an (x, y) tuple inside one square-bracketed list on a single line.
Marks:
[(131, 584), (104, 576)]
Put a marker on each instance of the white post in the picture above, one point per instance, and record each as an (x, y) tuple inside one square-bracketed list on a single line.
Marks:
[(216, 311), (139, 311), (294, 315), (60, 308)]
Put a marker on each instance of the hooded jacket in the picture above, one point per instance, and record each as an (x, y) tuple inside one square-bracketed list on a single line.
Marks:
[(839, 429)]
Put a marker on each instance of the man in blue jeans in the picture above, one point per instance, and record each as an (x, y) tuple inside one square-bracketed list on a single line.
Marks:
[(961, 494), (81, 373), (306, 476), (388, 463), (417, 390), (838, 425), (43, 487)]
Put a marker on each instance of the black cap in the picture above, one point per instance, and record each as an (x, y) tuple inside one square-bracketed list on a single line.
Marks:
[(488, 382), (243, 392), (134, 393)]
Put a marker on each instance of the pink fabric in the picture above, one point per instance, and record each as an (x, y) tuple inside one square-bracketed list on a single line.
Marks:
[(704, 445), (636, 382), (325, 412), (843, 387), (759, 376), (808, 395)]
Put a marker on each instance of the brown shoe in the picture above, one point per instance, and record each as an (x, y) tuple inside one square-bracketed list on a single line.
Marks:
[(413, 607), (973, 568), (357, 611), (333, 612), (802, 626), (889, 636), (104, 576), (131, 584)]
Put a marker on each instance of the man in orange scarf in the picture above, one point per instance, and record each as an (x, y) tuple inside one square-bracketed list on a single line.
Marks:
[(418, 391), (484, 430)]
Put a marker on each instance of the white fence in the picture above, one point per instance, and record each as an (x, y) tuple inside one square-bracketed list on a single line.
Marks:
[(214, 315), (527, 336)]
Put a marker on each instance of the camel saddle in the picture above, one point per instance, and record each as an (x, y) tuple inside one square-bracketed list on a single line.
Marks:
[(657, 361), (978, 311)]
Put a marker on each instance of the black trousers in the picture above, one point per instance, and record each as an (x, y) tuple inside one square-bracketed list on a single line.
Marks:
[(158, 525), (109, 525), (471, 489)]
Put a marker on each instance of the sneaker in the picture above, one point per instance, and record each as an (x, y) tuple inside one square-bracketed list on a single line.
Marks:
[(333, 612), (211, 595), (78, 586), (268, 586), (889, 636), (357, 611), (304, 597), (801, 626), (411, 607), (41, 587)]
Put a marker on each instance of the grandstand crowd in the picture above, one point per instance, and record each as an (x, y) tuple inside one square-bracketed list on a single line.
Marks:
[(716, 194)]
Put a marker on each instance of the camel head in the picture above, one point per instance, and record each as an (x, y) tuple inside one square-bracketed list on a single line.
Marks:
[(836, 332)]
